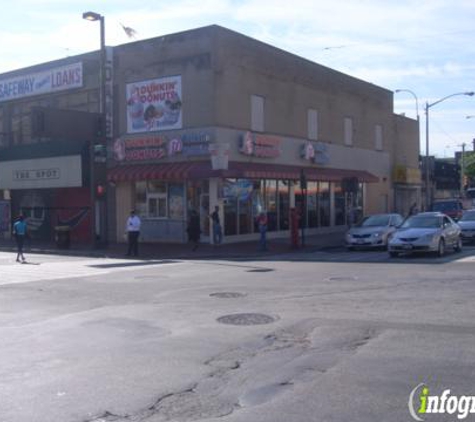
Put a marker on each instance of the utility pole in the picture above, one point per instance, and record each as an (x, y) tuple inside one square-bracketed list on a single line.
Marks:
[(462, 171)]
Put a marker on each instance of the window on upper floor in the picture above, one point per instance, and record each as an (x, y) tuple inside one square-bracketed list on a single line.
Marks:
[(312, 124), (348, 130), (257, 113), (378, 137)]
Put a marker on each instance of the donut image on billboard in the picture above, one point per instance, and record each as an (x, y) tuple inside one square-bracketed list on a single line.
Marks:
[(154, 105)]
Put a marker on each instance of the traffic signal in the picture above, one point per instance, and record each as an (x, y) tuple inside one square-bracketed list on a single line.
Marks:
[(100, 127), (100, 153), (100, 190)]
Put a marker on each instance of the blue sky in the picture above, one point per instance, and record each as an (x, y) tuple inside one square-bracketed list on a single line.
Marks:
[(423, 46)]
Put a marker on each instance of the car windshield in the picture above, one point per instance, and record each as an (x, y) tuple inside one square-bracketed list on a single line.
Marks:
[(445, 206), (468, 216), (374, 221), (422, 222)]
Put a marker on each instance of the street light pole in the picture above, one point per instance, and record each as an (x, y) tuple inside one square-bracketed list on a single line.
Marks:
[(462, 171), (92, 16), (427, 107), (415, 97)]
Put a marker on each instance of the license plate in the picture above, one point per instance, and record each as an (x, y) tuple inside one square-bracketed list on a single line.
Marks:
[(360, 241), (407, 247)]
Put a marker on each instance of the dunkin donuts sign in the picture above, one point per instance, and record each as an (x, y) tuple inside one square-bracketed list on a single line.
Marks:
[(154, 105)]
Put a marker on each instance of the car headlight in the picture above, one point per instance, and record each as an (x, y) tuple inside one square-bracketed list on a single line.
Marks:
[(377, 234)]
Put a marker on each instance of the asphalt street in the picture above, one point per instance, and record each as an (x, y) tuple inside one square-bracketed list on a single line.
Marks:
[(318, 336)]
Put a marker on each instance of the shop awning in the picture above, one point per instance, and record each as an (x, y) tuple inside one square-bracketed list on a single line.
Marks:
[(202, 169), (167, 171), (278, 171)]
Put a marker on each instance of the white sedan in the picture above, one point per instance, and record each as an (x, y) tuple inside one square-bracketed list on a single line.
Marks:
[(426, 232), (373, 231)]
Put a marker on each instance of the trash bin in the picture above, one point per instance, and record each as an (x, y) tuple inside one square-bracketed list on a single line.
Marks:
[(62, 237)]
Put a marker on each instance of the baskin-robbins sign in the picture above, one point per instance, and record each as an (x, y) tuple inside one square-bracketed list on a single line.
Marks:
[(190, 144), (154, 105), (263, 146), (315, 152), (47, 81)]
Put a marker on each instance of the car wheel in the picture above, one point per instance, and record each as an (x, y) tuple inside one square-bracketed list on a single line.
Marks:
[(458, 245), (393, 254), (441, 248)]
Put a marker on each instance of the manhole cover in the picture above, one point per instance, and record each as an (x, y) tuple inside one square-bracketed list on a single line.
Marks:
[(260, 270), (227, 295), (246, 319)]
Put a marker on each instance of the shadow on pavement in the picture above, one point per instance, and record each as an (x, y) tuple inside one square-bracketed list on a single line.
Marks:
[(327, 247)]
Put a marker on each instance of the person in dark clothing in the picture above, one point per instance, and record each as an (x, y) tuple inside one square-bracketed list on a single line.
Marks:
[(193, 229)]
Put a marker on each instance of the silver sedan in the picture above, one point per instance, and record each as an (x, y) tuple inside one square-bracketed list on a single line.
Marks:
[(426, 232), (372, 231), (467, 225)]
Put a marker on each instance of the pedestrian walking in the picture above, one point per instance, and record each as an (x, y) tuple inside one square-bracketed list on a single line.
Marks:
[(133, 232), (217, 231), (193, 229), (20, 233), (262, 225)]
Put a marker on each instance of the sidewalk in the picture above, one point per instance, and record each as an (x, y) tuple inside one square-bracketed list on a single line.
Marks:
[(241, 250)]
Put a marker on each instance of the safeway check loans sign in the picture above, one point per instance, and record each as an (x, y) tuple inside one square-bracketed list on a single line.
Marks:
[(51, 80)]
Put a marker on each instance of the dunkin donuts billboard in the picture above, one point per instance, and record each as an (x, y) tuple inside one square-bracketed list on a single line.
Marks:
[(154, 105)]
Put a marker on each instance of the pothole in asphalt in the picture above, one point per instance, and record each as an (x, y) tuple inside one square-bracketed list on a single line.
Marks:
[(351, 278), (260, 270), (247, 319), (228, 295)]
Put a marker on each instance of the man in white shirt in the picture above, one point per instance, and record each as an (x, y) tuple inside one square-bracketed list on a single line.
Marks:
[(133, 232)]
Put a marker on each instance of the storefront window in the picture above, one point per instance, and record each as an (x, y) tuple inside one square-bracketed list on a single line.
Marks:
[(245, 197), (198, 200), (323, 204), (271, 205), (176, 201), (284, 204), (359, 202), (340, 205), (312, 217), (258, 201), (157, 199), (306, 204), (141, 198), (157, 206), (155, 186), (230, 207)]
